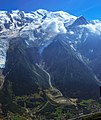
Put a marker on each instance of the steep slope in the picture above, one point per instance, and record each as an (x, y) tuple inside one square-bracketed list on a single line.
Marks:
[(24, 81), (69, 73), (91, 50), (85, 38), (27, 88), (80, 21), (40, 29), (21, 69), (38, 25)]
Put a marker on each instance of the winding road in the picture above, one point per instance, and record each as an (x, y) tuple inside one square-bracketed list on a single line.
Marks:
[(48, 76), (1, 80)]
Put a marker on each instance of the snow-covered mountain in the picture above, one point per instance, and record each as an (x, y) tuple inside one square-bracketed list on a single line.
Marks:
[(18, 19), (47, 57), (37, 25), (40, 27)]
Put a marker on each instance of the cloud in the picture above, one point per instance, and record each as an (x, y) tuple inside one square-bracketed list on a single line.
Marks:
[(94, 28), (54, 26)]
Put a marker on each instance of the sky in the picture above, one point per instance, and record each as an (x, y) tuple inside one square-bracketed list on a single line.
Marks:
[(90, 9)]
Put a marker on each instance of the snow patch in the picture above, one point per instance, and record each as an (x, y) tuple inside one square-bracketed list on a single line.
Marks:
[(44, 46), (2, 62), (72, 47), (71, 32), (92, 51)]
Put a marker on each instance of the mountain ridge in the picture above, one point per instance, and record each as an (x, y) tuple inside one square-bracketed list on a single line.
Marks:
[(49, 60)]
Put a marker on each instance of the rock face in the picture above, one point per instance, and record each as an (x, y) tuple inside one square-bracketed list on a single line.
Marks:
[(80, 21), (21, 69), (43, 46), (28, 70), (69, 73), (91, 50)]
